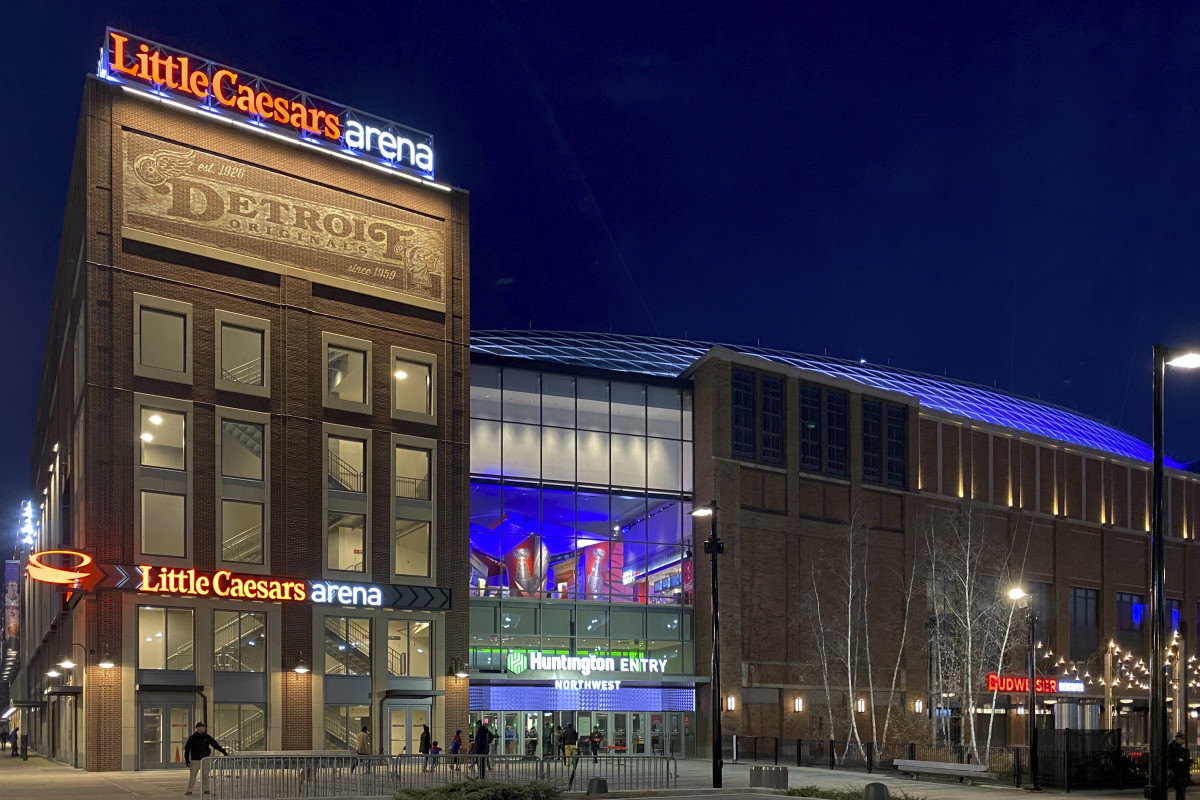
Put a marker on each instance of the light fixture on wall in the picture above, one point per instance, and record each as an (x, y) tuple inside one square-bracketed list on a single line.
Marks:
[(798, 704), (730, 703), (918, 706), (301, 667), (458, 668), (106, 662), (860, 705)]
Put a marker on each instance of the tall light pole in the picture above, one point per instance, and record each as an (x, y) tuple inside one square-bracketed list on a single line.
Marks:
[(1185, 359), (1018, 596), (714, 547)]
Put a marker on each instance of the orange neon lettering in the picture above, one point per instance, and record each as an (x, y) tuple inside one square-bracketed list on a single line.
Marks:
[(118, 60), (202, 584), (143, 58), (198, 85), (220, 582), (332, 128), (217, 81), (263, 103)]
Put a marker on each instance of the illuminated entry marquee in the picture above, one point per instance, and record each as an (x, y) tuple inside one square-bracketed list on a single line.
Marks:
[(220, 89)]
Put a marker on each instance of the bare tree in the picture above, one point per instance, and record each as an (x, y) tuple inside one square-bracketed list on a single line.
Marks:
[(969, 569)]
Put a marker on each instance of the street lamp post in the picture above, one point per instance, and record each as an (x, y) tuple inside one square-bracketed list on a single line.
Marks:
[(1186, 359), (1022, 599), (714, 547)]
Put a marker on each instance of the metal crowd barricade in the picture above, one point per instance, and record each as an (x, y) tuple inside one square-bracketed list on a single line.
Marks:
[(622, 772), (296, 775)]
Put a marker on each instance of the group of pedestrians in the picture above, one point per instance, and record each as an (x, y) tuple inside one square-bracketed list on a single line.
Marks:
[(569, 743)]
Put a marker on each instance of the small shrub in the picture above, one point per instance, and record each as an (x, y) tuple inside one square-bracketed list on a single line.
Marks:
[(849, 793), (485, 790)]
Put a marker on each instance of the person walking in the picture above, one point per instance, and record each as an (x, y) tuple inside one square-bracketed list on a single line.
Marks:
[(480, 746), (560, 742), (1179, 765), (199, 746), (570, 744), (595, 741), (456, 749), (362, 746), (423, 747), (13, 739)]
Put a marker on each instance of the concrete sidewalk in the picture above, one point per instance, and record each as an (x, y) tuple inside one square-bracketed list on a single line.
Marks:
[(42, 779)]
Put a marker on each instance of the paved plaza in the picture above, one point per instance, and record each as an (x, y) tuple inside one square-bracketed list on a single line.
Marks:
[(42, 779)]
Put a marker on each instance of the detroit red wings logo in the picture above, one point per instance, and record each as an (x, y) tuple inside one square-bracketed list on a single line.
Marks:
[(155, 169)]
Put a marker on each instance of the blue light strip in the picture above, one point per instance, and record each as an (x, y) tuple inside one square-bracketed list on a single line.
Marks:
[(670, 357), (546, 698)]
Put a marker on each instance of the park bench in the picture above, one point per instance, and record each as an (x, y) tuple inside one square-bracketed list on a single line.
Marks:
[(969, 772)]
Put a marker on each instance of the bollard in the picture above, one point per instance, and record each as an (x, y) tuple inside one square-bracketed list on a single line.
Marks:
[(598, 786), (876, 791)]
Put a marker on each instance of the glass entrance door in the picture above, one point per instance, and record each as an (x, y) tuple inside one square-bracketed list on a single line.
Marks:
[(163, 730), (405, 724)]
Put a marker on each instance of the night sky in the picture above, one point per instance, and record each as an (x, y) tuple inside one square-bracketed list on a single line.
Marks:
[(1006, 194)]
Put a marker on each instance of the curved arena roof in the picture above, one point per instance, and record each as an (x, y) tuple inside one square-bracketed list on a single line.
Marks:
[(671, 357)]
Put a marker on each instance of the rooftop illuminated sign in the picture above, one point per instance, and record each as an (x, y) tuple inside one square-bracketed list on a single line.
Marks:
[(212, 87)]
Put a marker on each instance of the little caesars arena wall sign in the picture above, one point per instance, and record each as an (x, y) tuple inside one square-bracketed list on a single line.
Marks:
[(188, 199)]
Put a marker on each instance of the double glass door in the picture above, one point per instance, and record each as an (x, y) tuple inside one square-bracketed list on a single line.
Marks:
[(621, 732), (163, 730), (405, 724)]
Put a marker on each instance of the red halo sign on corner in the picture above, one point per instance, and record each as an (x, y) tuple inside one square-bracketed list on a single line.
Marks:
[(69, 568)]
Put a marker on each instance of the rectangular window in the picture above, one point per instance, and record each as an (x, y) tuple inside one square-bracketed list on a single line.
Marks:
[(162, 331), (242, 354), (163, 340), (240, 726), (1131, 612), (414, 385), (810, 427), (409, 648), (347, 464), (80, 356), (897, 446), (240, 641), (1043, 607), (743, 414), (1084, 638), (347, 383), (164, 524), (872, 440), (241, 531), (163, 439), (411, 554), (412, 473), (1173, 619), (342, 724), (346, 542), (241, 450), (165, 638), (835, 425), (347, 646), (771, 387)]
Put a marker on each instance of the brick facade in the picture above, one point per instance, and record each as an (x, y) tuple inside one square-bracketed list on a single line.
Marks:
[(98, 274)]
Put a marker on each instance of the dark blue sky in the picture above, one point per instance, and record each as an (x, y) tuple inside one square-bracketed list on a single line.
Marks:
[(1004, 194)]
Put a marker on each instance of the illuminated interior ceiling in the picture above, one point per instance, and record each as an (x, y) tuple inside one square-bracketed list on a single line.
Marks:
[(671, 357)]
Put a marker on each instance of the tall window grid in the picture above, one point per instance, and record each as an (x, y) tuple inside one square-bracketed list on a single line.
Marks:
[(872, 436), (743, 414), (1084, 623), (835, 424), (771, 388)]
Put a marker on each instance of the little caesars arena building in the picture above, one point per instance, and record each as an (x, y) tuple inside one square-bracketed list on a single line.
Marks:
[(249, 460)]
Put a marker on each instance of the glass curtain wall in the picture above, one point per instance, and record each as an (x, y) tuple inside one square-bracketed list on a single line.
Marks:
[(581, 488)]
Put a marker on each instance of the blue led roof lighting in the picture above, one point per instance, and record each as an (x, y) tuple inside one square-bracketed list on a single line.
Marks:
[(671, 357)]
